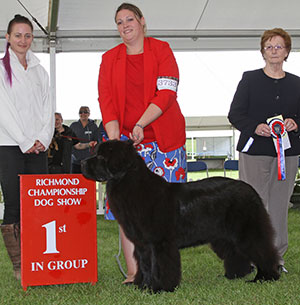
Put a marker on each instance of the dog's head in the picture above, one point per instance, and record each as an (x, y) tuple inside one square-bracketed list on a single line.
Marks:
[(112, 160)]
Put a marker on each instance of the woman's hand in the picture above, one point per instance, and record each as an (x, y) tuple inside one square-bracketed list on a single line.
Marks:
[(92, 144), (36, 148), (30, 150), (290, 125), (137, 134), (39, 146), (263, 130), (152, 113)]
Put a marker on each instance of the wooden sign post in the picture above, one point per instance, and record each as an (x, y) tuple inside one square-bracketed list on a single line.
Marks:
[(58, 230)]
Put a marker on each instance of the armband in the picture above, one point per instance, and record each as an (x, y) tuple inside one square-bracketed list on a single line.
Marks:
[(167, 82)]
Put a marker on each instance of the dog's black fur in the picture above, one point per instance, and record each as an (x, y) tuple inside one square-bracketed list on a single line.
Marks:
[(160, 218)]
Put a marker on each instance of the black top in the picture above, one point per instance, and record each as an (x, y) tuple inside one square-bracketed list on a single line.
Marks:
[(259, 97), (85, 134)]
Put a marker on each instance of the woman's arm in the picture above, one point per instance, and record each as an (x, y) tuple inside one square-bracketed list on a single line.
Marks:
[(166, 90), (167, 79), (48, 117), (238, 114), (108, 111), (10, 122), (113, 130), (151, 114)]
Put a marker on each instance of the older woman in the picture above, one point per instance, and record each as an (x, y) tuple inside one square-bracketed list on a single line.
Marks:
[(138, 82), (26, 125), (264, 96)]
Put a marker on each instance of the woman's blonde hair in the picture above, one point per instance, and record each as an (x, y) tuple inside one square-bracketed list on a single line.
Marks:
[(134, 9)]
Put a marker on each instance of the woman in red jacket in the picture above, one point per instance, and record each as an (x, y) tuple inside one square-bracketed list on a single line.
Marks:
[(137, 85)]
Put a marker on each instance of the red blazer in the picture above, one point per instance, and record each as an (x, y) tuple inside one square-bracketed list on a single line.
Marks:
[(159, 61)]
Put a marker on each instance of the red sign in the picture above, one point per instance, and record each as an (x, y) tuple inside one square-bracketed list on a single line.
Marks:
[(58, 230)]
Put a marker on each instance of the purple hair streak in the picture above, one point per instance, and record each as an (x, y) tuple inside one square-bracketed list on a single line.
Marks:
[(6, 59), (6, 63)]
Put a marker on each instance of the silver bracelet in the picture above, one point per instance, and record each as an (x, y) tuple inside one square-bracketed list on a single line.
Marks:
[(139, 125)]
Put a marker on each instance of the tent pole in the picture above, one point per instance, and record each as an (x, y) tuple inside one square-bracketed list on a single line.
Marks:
[(233, 144), (52, 51)]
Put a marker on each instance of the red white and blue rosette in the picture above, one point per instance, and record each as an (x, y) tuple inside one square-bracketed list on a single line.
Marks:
[(278, 131)]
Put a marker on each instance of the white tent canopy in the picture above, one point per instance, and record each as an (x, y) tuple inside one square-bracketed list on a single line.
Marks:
[(191, 25), (80, 26)]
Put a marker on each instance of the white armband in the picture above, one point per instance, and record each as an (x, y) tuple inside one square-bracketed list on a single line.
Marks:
[(167, 82)]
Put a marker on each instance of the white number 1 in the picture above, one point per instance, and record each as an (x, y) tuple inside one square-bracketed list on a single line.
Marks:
[(50, 237)]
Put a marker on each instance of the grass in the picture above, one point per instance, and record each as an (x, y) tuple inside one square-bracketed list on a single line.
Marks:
[(202, 279), (202, 282)]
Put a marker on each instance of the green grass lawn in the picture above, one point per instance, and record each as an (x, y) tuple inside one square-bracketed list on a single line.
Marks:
[(202, 279)]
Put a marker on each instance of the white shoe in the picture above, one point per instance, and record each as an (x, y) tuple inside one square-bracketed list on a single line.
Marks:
[(282, 269)]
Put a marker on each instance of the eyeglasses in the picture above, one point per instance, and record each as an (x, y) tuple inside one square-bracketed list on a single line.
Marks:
[(270, 48), (84, 111)]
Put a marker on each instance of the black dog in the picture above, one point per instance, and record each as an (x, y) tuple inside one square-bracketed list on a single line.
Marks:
[(160, 218)]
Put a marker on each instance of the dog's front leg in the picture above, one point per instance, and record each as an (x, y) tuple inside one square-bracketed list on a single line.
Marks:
[(165, 266), (143, 276)]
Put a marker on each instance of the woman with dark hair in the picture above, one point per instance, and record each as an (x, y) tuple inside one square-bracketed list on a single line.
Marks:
[(26, 125), (266, 110), (60, 148), (138, 83)]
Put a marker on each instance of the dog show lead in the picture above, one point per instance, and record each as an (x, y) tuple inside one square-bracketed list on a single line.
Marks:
[(26, 126), (138, 82)]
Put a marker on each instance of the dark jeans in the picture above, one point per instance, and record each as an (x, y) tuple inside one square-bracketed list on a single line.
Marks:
[(55, 169), (13, 163), (76, 168)]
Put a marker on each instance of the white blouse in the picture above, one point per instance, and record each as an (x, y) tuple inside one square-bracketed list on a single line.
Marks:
[(26, 110)]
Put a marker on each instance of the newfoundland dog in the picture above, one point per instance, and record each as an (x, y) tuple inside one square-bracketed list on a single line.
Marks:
[(160, 218)]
